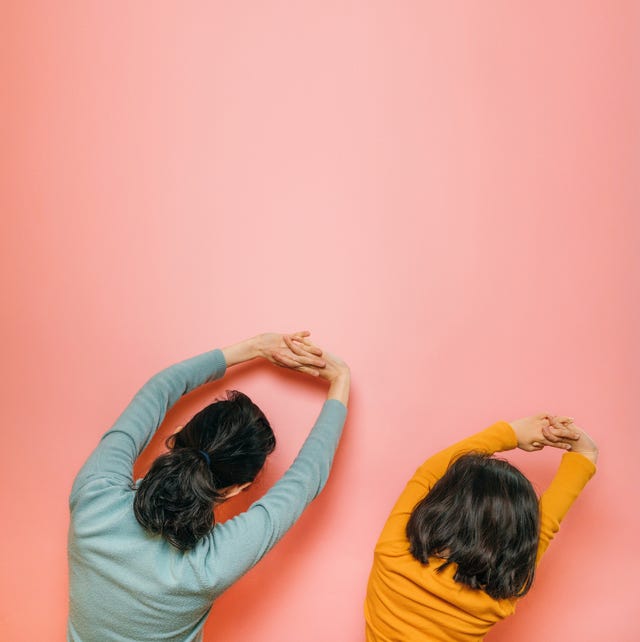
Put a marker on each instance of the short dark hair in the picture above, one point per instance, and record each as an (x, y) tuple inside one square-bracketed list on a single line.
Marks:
[(482, 515), (177, 496)]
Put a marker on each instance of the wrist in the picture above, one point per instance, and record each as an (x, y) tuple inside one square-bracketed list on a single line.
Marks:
[(339, 387), (343, 374), (241, 352), (257, 346), (591, 455)]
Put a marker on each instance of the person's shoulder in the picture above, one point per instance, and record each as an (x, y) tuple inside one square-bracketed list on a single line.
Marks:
[(101, 491)]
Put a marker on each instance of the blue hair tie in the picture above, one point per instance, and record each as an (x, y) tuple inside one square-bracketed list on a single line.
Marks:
[(205, 457)]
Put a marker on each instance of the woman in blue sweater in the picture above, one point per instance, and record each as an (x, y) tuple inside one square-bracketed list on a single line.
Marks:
[(147, 562)]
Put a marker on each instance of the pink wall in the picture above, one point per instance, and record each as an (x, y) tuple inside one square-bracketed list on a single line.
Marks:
[(443, 192)]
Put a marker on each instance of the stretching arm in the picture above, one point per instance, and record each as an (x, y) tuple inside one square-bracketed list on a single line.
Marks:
[(575, 470), (124, 441), (246, 538), (496, 438)]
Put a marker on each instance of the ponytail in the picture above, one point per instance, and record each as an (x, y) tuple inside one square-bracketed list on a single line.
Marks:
[(177, 497), (225, 444)]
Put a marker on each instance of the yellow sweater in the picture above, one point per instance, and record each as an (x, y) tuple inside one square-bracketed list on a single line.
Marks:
[(407, 601)]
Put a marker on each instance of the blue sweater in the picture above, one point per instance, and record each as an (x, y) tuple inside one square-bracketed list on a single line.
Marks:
[(129, 585)]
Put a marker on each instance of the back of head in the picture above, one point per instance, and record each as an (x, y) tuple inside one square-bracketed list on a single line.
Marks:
[(483, 516), (224, 445)]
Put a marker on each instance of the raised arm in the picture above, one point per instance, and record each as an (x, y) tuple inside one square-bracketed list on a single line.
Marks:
[(576, 469), (522, 433), (498, 437), (124, 441), (246, 538)]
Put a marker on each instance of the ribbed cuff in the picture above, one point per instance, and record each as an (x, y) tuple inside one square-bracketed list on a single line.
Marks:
[(220, 363), (507, 434), (579, 463)]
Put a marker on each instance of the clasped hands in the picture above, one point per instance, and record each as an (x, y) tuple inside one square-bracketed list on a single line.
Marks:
[(296, 351), (536, 432)]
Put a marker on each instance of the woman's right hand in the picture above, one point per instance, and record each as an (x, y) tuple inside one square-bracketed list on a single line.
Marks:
[(337, 373), (334, 370)]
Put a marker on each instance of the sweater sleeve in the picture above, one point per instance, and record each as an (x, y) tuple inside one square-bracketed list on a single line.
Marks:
[(120, 446), (242, 541), (496, 438), (572, 476)]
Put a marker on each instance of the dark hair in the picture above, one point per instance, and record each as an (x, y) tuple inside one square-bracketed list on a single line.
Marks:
[(177, 496), (483, 516)]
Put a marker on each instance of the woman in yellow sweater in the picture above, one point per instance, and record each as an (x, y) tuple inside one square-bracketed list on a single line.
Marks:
[(463, 541)]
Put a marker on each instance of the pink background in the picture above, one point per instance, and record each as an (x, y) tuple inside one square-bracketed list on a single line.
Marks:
[(445, 193)]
